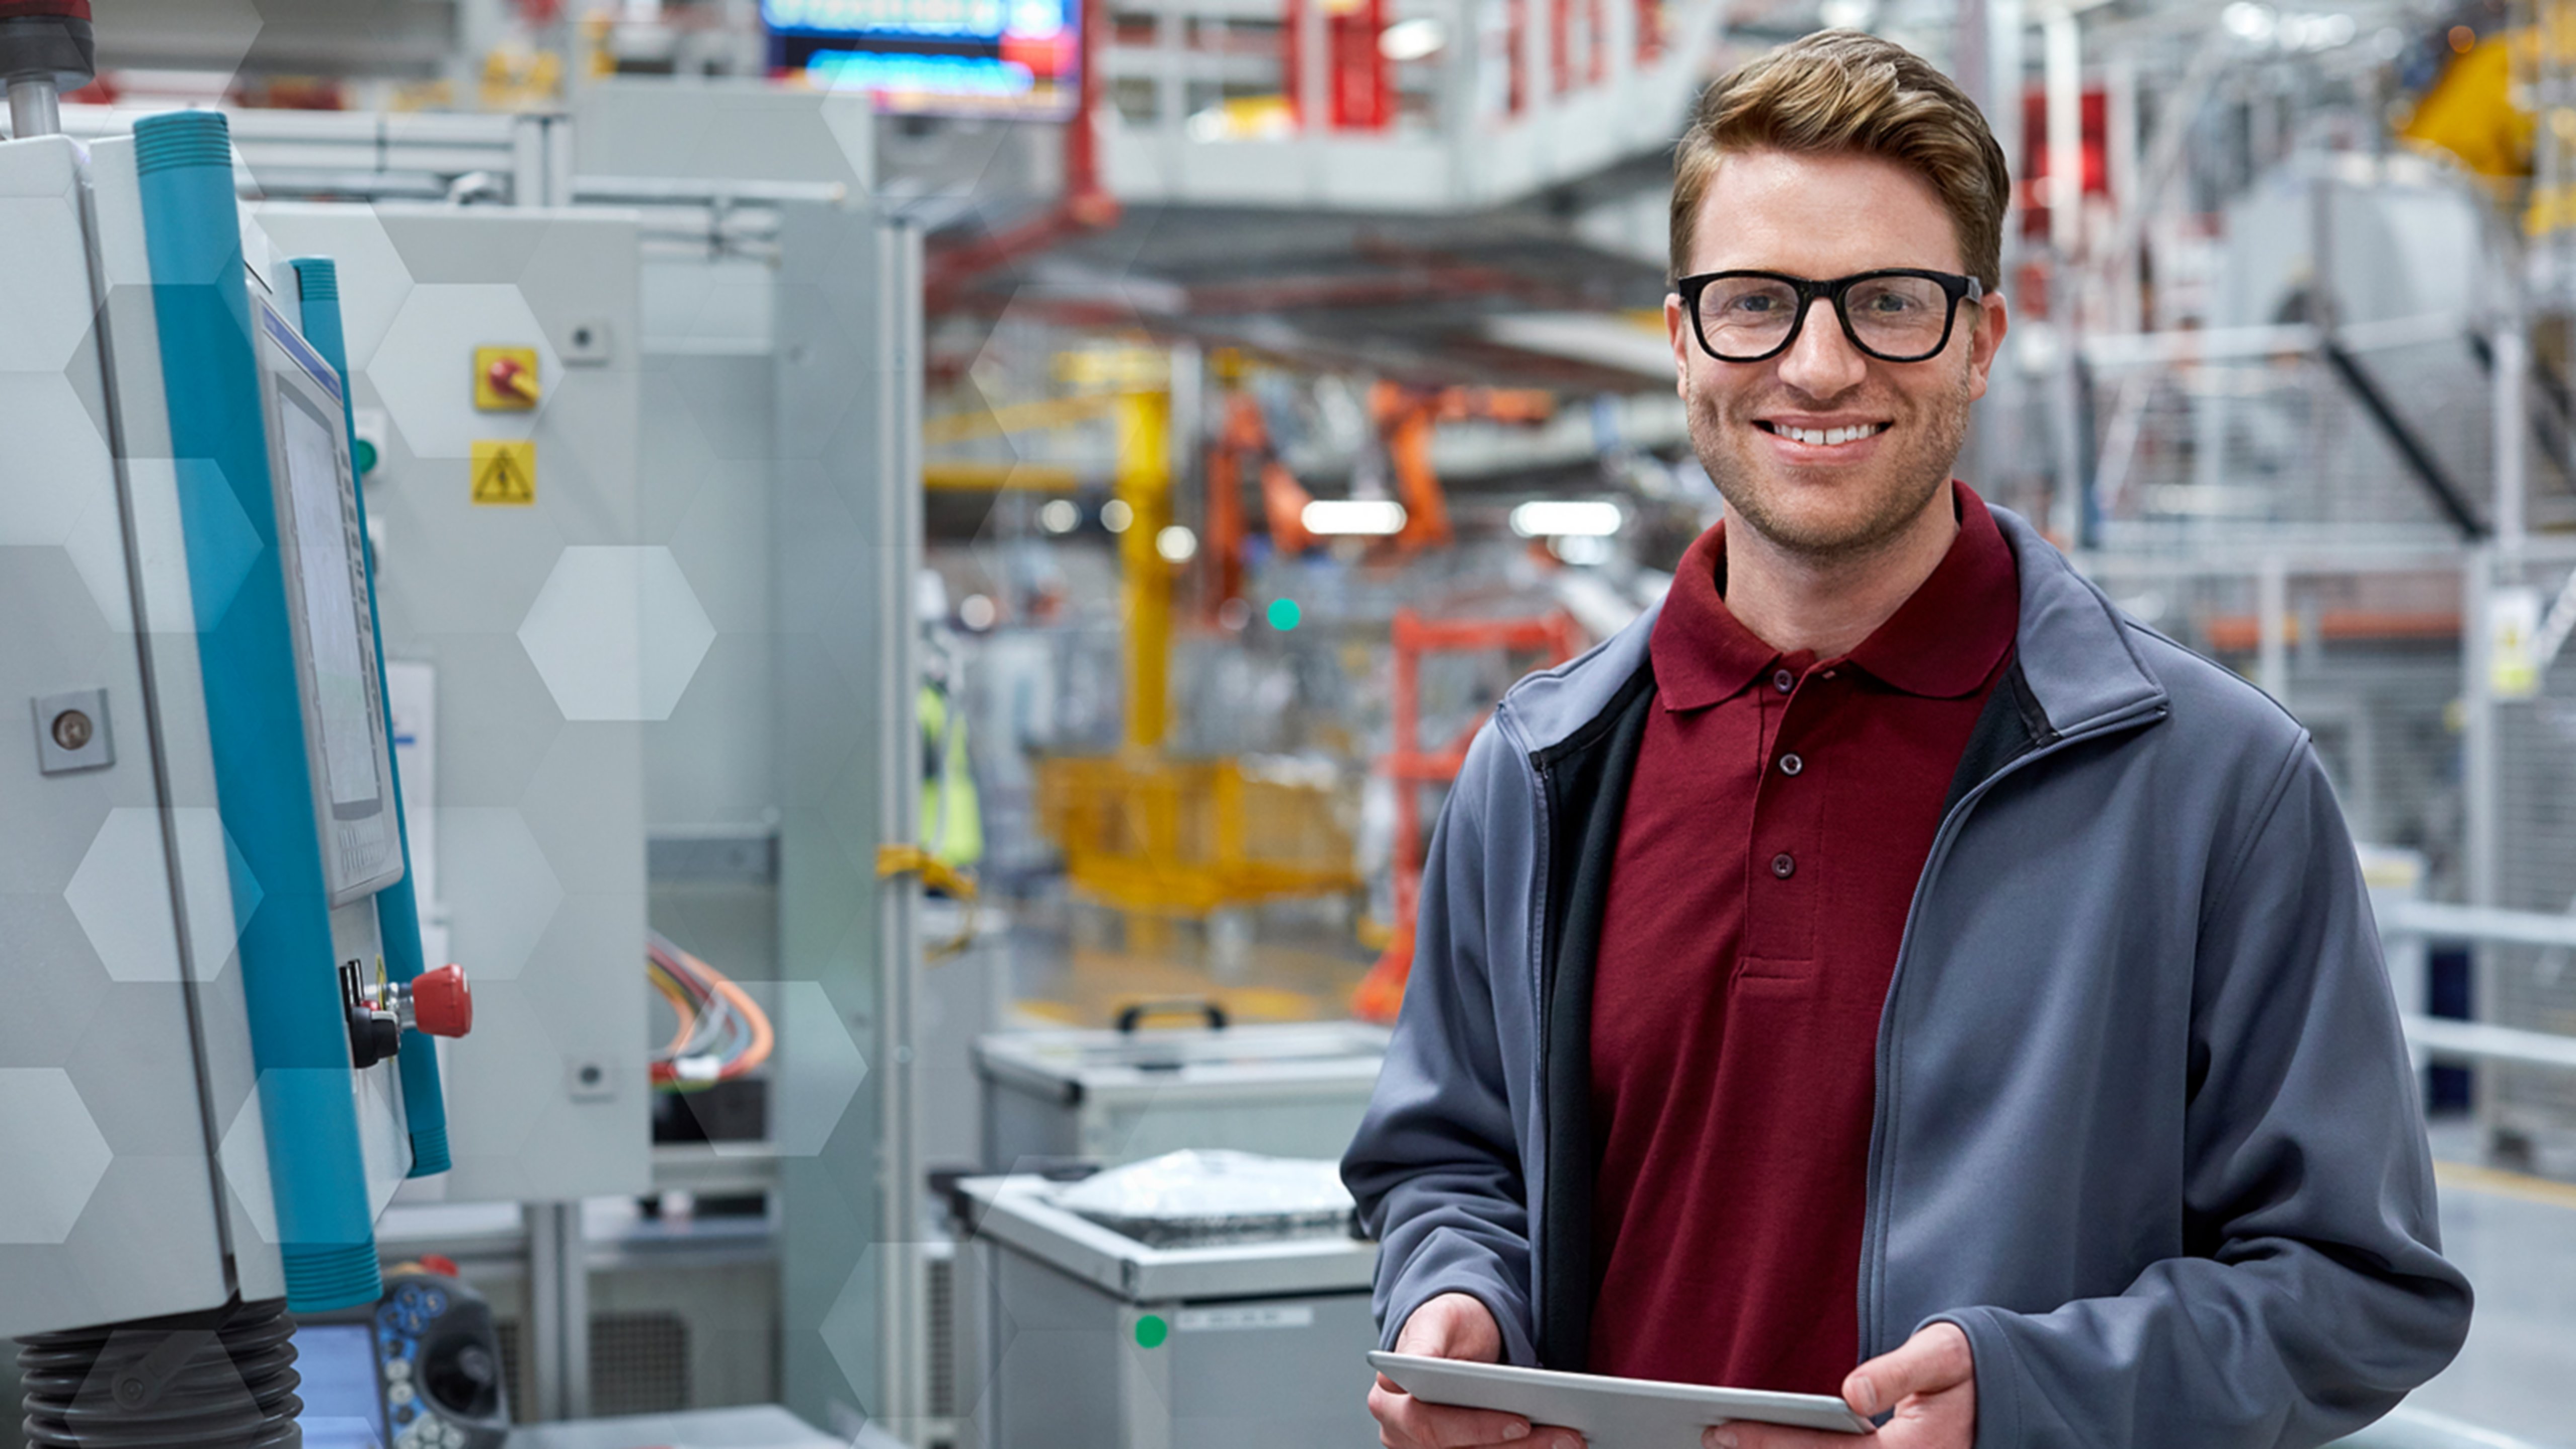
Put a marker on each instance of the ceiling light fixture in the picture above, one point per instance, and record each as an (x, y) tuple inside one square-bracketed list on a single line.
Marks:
[(1566, 518), (1367, 517)]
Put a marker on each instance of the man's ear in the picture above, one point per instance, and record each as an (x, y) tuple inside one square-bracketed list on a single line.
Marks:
[(1985, 340), (1677, 330)]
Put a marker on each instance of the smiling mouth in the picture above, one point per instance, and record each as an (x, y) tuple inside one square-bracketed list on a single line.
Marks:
[(1824, 437)]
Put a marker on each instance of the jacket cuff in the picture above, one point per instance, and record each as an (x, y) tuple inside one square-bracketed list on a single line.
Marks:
[(1999, 1416)]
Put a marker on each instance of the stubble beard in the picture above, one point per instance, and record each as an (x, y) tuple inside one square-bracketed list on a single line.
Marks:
[(1905, 485)]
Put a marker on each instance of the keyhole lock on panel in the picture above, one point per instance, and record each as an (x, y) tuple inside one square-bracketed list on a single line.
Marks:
[(71, 732)]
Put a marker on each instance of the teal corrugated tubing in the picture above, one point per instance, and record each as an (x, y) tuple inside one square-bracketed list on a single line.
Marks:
[(254, 711), (178, 146), (397, 906), (428, 1141), (344, 1274)]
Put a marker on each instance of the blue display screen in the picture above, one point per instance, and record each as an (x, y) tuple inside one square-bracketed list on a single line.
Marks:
[(1022, 57), (342, 1409)]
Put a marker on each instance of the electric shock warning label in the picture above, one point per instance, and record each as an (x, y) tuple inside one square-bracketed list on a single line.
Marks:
[(1213, 1320), (505, 471)]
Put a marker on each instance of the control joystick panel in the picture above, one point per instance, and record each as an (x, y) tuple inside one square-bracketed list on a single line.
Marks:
[(441, 1363)]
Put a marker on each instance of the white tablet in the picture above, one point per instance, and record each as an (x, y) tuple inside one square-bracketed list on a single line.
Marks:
[(1610, 1413)]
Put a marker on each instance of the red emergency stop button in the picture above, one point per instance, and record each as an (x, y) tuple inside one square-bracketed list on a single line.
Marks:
[(441, 1003), (512, 378)]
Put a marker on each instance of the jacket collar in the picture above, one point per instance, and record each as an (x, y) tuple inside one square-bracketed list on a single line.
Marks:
[(2072, 645)]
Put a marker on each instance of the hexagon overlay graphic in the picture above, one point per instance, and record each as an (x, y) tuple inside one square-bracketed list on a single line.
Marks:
[(616, 632), (830, 1068), (849, 1327), (121, 883), (54, 1151), (244, 1155)]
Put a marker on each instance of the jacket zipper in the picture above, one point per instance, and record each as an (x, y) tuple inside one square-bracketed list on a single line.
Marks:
[(1540, 888), (1874, 1208)]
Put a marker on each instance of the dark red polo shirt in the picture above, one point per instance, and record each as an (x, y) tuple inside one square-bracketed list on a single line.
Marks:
[(1780, 814)]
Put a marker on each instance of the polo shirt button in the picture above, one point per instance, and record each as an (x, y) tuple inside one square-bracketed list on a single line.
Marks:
[(1782, 866), (1791, 764), (1784, 681)]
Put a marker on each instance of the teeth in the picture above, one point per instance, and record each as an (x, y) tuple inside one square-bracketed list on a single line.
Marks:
[(1828, 437)]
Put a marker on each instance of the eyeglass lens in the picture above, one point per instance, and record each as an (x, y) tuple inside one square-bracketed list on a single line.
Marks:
[(1900, 318)]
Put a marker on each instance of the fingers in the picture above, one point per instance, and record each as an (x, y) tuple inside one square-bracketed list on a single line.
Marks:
[(1744, 1434), (1937, 1357), (1405, 1422)]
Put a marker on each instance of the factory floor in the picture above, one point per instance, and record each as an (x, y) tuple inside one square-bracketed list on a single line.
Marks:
[(2515, 1237)]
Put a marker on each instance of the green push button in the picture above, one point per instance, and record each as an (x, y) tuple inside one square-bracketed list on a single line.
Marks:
[(1151, 1331)]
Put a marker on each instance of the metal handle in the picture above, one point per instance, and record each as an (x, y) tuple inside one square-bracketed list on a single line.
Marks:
[(1200, 1006)]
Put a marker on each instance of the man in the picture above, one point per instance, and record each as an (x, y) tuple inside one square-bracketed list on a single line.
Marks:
[(1889, 954)]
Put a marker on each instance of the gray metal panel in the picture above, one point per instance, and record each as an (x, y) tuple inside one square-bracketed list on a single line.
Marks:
[(1295, 1090), (539, 828), (1293, 1374), (1016, 1211), (104, 1136), (725, 131), (705, 483), (847, 531), (1057, 1359), (291, 37)]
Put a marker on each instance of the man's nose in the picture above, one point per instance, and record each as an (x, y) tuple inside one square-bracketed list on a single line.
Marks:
[(1822, 363)]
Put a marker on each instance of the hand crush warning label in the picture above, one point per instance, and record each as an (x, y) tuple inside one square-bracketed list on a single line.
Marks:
[(505, 471)]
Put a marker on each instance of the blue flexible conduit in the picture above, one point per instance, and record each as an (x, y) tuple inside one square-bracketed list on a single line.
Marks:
[(254, 711), (397, 909)]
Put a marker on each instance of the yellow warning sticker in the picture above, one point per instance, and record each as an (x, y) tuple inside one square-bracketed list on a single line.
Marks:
[(505, 471)]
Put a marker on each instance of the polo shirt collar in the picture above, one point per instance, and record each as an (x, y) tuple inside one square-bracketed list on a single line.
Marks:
[(1701, 652), (1943, 642)]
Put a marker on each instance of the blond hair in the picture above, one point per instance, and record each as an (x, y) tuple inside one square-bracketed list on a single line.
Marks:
[(1842, 91)]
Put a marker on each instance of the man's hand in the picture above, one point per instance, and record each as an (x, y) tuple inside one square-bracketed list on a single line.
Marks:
[(1453, 1325), (1930, 1380)]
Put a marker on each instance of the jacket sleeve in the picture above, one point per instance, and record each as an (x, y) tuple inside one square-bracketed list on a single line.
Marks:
[(1436, 1168), (2315, 1296)]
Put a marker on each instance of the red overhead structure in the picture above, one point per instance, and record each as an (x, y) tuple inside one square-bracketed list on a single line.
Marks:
[(1359, 84), (1555, 637), (1086, 204)]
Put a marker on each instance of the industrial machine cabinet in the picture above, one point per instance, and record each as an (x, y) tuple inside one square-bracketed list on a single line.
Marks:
[(1072, 1336), (1107, 1097)]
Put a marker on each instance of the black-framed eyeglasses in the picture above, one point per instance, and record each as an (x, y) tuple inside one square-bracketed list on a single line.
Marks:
[(1901, 314)]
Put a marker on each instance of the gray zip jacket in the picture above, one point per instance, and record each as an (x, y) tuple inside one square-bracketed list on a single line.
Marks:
[(2145, 1126)]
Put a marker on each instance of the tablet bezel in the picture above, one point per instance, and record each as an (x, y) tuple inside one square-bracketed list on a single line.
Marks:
[(1445, 1377)]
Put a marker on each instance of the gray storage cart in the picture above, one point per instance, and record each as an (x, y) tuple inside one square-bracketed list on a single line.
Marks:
[(1072, 1336), (1107, 1097)]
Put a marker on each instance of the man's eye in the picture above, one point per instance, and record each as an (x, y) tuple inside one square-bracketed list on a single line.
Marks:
[(1752, 304)]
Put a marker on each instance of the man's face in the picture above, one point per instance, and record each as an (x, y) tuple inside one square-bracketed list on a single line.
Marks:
[(1902, 423)]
